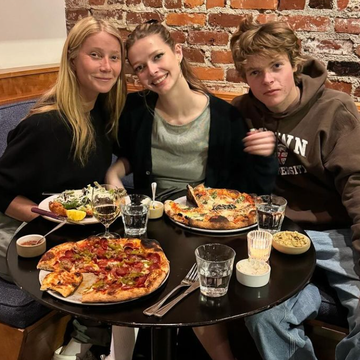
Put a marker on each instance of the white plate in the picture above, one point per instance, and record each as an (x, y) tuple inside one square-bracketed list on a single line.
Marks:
[(88, 279), (45, 206), (183, 201)]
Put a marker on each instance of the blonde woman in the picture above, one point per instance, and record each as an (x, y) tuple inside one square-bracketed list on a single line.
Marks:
[(67, 140)]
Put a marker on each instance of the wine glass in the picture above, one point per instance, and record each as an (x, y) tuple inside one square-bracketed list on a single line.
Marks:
[(105, 201)]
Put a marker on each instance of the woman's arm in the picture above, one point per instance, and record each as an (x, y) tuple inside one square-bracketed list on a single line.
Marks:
[(20, 209), (117, 171)]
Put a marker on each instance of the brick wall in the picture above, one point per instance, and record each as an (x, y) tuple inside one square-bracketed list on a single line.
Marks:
[(328, 29)]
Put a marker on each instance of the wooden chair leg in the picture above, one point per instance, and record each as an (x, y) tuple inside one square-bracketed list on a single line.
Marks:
[(36, 342)]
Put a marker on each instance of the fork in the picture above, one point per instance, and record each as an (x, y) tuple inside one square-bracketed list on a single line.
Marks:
[(188, 280)]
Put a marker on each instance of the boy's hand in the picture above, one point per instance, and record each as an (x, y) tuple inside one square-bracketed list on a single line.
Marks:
[(259, 143)]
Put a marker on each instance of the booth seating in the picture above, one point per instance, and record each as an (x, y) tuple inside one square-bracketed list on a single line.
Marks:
[(28, 330)]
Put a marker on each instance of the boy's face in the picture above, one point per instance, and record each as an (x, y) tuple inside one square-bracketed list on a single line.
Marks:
[(271, 80)]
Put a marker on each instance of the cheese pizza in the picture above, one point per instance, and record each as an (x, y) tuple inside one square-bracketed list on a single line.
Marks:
[(214, 209)]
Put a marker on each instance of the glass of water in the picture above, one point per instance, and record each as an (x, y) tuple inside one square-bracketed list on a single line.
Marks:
[(215, 265), (270, 211), (134, 213)]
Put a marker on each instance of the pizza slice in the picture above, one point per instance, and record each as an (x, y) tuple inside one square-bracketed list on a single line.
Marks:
[(63, 282)]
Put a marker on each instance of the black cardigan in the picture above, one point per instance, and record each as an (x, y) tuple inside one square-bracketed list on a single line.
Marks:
[(227, 166)]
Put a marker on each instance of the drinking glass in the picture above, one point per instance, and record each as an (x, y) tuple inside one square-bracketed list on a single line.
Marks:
[(105, 201), (215, 265), (270, 211), (135, 213), (259, 245)]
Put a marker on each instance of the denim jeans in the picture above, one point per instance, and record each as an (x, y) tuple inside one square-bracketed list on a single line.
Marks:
[(279, 333)]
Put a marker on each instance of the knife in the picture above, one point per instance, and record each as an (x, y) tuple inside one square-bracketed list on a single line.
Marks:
[(37, 210), (163, 310)]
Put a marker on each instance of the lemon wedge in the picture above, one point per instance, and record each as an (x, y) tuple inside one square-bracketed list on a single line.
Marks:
[(76, 215)]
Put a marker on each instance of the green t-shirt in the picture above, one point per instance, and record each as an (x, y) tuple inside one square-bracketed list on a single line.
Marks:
[(179, 152)]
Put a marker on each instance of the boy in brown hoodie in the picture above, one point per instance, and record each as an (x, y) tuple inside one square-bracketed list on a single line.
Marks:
[(318, 149)]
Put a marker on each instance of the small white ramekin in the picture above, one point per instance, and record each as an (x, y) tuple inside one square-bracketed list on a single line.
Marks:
[(156, 210), (28, 251), (252, 275)]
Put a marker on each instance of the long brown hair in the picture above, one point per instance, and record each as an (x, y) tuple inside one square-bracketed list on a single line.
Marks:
[(153, 27), (64, 96)]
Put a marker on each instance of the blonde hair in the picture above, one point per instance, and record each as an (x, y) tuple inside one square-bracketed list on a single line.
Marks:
[(268, 40), (153, 27), (65, 98)]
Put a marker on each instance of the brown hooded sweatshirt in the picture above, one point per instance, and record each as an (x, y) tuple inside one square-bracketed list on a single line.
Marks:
[(318, 148)]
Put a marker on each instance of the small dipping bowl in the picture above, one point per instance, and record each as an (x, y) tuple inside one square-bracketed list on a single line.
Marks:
[(156, 210), (252, 274), (26, 246)]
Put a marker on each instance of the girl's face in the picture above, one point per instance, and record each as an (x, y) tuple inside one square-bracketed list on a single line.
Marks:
[(155, 63), (97, 65)]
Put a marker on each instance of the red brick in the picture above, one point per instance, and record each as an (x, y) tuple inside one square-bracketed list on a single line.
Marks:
[(292, 4), (178, 36), (357, 50), (138, 18), (185, 19), (264, 18), (342, 4), (233, 76), (351, 26), (193, 55), (153, 3), (208, 38), (357, 92), (320, 4), (215, 3), (206, 73), (96, 2), (172, 4), (124, 34), (308, 23), (131, 2), (75, 15), (340, 86), (254, 4), (114, 14), (225, 20), (190, 4), (221, 57), (119, 2)]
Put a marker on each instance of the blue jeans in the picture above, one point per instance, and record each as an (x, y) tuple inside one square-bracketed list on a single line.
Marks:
[(279, 333)]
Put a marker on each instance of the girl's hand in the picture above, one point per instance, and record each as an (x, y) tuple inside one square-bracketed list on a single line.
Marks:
[(259, 143)]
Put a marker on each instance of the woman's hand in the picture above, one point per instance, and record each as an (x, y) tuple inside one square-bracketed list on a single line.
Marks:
[(259, 143), (117, 171)]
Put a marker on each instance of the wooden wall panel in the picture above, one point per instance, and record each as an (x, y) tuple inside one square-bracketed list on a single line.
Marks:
[(29, 83)]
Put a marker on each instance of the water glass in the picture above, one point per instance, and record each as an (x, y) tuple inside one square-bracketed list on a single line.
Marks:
[(215, 265), (134, 213), (270, 211), (259, 245)]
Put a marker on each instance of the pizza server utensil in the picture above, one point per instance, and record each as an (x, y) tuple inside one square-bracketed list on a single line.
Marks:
[(37, 210)]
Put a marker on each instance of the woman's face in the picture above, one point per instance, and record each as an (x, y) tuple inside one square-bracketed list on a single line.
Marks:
[(155, 63), (97, 65)]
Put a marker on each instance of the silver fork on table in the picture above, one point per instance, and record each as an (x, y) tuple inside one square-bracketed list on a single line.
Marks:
[(188, 280)]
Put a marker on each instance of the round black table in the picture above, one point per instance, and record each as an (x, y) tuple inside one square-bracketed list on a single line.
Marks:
[(289, 274)]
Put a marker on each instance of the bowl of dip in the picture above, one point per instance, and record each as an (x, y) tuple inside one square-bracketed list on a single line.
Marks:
[(31, 245), (156, 210), (291, 242), (252, 273)]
